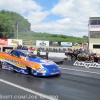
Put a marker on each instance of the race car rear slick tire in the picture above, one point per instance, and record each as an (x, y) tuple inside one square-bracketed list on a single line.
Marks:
[(0, 64)]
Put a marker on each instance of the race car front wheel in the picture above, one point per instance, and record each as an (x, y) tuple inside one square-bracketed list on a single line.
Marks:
[(0, 64), (30, 71), (73, 57)]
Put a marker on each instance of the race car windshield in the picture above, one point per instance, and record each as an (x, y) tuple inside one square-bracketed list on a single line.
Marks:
[(26, 53)]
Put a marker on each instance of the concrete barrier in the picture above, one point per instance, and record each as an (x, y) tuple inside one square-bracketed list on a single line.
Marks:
[(52, 54)]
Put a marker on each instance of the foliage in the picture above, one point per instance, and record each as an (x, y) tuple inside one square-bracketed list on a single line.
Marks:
[(9, 21), (51, 37), (8, 29)]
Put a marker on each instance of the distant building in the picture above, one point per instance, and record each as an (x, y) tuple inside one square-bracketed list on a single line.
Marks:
[(94, 33)]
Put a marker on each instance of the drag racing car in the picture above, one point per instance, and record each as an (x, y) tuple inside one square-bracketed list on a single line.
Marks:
[(24, 61), (91, 57), (84, 56)]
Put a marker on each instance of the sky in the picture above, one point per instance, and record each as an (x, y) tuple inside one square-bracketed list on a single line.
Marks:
[(68, 17)]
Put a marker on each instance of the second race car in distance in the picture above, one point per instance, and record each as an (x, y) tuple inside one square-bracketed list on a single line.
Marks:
[(23, 61)]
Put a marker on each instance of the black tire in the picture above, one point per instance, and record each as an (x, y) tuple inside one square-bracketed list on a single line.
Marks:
[(65, 58), (73, 57), (0, 64), (30, 71)]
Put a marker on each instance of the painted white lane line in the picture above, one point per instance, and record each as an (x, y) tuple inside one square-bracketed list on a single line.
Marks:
[(29, 90), (80, 70)]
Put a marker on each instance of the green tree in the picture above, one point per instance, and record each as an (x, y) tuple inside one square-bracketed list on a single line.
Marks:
[(9, 21), (6, 26)]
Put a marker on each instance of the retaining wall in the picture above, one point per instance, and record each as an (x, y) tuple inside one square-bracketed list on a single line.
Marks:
[(51, 54)]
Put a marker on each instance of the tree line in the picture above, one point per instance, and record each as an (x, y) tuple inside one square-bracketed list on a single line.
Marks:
[(9, 21), (8, 29)]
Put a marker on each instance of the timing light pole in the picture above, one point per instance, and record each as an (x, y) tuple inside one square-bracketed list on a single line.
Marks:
[(17, 30)]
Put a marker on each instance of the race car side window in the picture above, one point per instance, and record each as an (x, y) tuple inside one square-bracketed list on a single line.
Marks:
[(15, 54)]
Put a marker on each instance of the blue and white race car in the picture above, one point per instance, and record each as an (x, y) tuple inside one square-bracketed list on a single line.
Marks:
[(23, 61)]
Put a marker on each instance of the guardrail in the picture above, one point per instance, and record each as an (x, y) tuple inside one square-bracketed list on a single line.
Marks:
[(52, 54)]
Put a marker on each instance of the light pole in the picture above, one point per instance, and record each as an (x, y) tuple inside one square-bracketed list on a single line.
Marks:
[(17, 30)]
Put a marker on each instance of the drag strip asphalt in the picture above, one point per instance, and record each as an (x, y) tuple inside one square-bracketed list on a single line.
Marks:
[(75, 83), (64, 87), (81, 71), (10, 91)]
